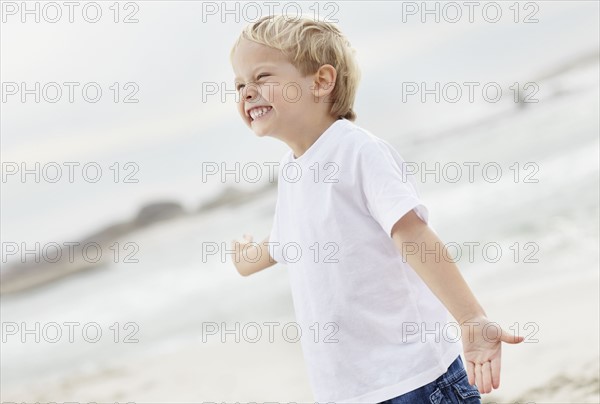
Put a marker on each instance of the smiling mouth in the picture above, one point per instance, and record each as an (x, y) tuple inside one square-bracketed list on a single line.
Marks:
[(258, 113)]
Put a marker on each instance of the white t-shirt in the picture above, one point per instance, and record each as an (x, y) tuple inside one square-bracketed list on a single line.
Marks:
[(336, 206)]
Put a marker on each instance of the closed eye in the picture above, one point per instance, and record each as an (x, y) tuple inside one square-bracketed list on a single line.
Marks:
[(258, 77)]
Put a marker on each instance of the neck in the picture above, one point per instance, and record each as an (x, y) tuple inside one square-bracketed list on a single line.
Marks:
[(309, 135)]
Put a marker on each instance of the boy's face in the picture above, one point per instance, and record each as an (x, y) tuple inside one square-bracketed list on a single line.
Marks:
[(265, 78)]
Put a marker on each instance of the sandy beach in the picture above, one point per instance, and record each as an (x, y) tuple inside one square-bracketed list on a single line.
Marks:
[(562, 367)]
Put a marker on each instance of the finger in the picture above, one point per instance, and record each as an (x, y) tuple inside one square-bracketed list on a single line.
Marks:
[(478, 377), (471, 372), (511, 338), (495, 367), (487, 376)]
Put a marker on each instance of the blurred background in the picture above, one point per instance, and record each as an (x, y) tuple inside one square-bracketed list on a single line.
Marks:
[(126, 164)]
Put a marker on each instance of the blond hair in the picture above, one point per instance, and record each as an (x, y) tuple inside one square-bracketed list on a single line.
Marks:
[(309, 44)]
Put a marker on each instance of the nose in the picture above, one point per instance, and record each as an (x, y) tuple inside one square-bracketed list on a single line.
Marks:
[(250, 97), (250, 92)]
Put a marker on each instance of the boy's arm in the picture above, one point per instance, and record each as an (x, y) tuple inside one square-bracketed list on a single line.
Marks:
[(442, 276), (251, 257)]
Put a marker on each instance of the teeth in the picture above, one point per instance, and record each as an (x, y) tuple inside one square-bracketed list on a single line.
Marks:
[(259, 111)]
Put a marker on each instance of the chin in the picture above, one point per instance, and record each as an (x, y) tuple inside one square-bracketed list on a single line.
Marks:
[(261, 133)]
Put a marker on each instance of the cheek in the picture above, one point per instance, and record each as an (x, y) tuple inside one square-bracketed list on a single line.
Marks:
[(267, 93), (281, 96), (295, 94)]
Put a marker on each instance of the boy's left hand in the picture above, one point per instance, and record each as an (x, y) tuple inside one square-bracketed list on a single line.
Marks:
[(482, 340)]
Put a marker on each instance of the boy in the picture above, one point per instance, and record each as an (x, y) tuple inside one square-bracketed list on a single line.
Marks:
[(347, 224)]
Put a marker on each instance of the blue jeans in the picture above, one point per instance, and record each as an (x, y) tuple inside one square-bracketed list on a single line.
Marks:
[(450, 388)]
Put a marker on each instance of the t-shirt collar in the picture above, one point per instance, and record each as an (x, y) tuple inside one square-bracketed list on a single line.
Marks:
[(335, 127)]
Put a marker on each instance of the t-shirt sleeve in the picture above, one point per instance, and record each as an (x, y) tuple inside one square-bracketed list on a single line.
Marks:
[(273, 237), (275, 248), (389, 192)]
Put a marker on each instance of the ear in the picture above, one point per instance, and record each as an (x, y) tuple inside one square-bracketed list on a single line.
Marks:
[(324, 81)]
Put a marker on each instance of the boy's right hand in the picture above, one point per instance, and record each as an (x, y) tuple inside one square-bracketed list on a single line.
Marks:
[(240, 250), (256, 253)]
